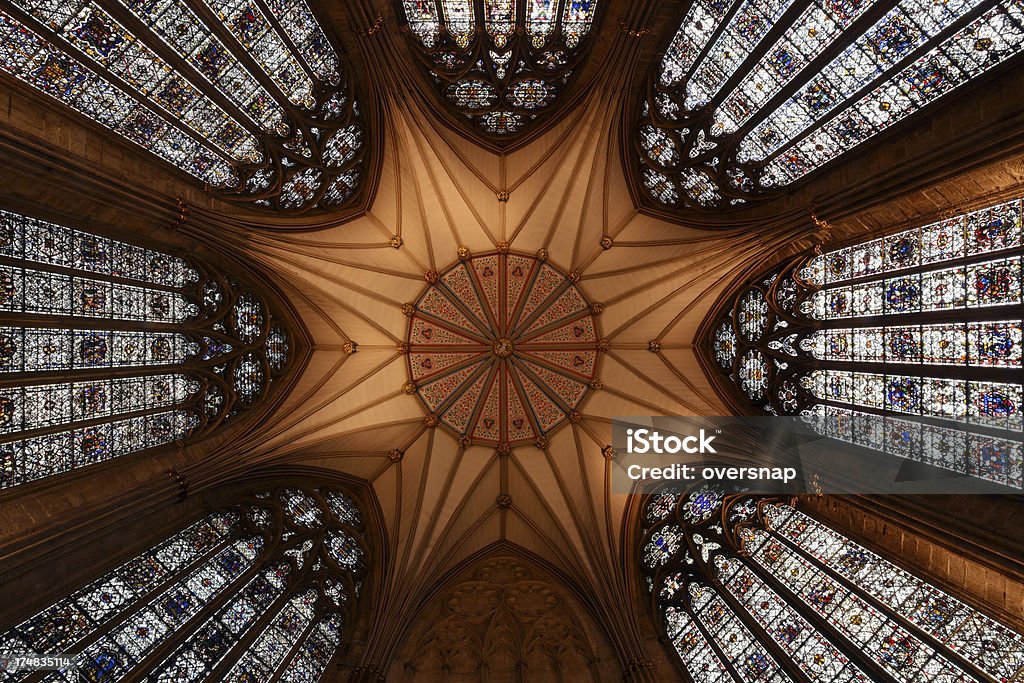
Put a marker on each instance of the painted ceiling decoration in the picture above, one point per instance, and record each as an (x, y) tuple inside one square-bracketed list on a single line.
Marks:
[(503, 348), (259, 590), (749, 588), (753, 95), (500, 63), (108, 348), (249, 97), (920, 327)]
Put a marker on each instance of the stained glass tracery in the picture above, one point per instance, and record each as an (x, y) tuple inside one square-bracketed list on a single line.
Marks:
[(108, 349), (753, 95), (244, 594), (500, 63), (171, 78), (909, 344), (760, 582)]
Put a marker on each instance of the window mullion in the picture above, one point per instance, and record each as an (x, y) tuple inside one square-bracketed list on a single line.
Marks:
[(782, 658), (890, 613), (779, 28), (182, 65), (63, 45), (705, 51), (166, 647), (854, 653), (216, 28), (275, 25), (698, 623), (140, 601), (74, 425), (815, 66), (256, 629), (911, 57), (276, 674), (71, 271), (925, 370)]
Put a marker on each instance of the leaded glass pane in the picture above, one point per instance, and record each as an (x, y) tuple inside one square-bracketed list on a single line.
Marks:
[(505, 73), (224, 122), (765, 568), (60, 288), (198, 596), (753, 95)]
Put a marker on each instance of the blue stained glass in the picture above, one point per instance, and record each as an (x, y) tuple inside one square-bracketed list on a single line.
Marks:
[(702, 504)]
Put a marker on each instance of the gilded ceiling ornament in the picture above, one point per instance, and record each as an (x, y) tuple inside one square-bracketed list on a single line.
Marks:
[(431, 276), (607, 242), (350, 347), (502, 348), (596, 308), (504, 500), (395, 455), (409, 388), (395, 241), (541, 443), (609, 452), (654, 346), (408, 310), (464, 253)]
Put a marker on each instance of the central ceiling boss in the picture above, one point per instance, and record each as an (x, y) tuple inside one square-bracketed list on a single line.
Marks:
[(502, 347)]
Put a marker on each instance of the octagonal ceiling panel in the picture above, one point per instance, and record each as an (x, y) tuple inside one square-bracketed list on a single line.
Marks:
[(525, 366)]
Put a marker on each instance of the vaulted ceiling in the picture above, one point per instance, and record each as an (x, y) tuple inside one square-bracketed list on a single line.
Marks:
[(444, 194)]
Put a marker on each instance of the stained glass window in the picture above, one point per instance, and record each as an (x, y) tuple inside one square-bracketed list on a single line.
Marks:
[(108, 349), (501, 63), (908, 344), (753, 95), (742, 605), (244, 594), (161, 76)]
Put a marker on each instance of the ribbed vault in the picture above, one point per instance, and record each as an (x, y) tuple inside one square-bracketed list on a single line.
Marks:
[(563, 192), (445, 498)]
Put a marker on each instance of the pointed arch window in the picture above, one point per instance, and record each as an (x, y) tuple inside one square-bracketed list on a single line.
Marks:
[(500, 63), (108, 348), (753, 589), (753, 95), (250, 592), (908, 344), (246, 96)]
